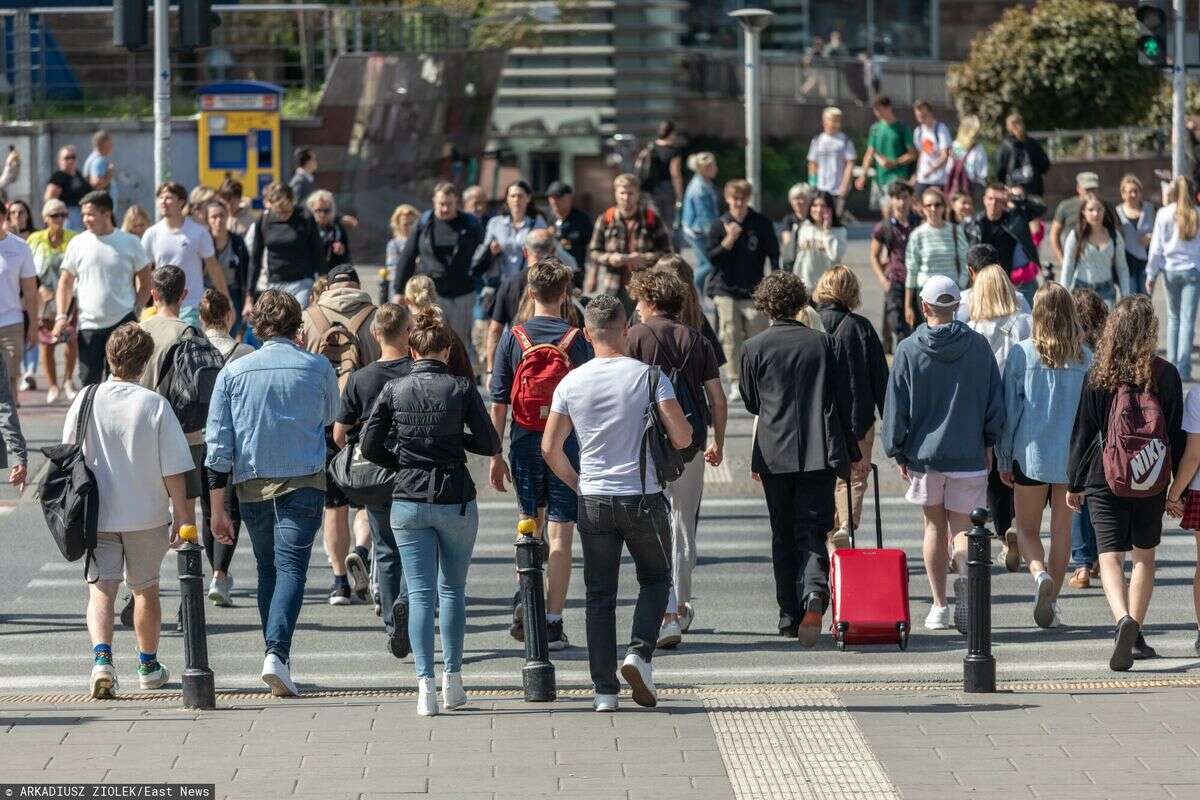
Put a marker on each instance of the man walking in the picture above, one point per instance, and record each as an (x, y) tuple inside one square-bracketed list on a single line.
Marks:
[(628, 236), (304, 178), (831, 157), (107, 272), (890, 153), (98, 168), (572, 227), (1021, 161), (530, 361), (179, 240), (605, 403), (932, 141), (889, 243), (741, 242), (796, 383), (1007, 230), (660, 340), (506, 306), (944, 411)]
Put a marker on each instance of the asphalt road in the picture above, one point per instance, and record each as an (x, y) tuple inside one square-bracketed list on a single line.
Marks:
[(44, 646)]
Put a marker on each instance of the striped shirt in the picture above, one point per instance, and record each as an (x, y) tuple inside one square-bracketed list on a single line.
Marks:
[(936, 251)]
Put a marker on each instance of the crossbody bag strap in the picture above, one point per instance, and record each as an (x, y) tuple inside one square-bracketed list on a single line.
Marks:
[(954, 238), (85, 414)]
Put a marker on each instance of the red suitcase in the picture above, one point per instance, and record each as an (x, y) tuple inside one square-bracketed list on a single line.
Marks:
[(870, 589)]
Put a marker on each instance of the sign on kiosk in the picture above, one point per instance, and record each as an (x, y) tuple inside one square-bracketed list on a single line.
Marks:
[(239, 135)]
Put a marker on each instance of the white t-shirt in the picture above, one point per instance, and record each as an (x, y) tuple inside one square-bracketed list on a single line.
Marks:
[(831, 151), (1191, 424), (16, 262), (186, 247), (606, 399), (104, 267), (930, 142), (133, 441)]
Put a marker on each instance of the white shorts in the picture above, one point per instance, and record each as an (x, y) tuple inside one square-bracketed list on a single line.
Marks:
[(961, 495)]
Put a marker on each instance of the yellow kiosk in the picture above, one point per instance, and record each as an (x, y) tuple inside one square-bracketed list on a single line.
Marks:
[(238, 135)]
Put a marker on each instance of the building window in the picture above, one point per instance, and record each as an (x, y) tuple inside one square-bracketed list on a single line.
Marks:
[(544, 169)]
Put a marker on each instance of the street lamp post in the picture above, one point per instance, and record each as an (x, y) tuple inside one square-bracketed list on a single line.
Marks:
[(162, 92), (1179, 96), (753, 22)]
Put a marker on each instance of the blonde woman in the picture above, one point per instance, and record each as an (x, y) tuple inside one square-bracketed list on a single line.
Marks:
[(1175, 252), (421, 296), (401, 224), (198, 198), (701, 207), (967, 157), (1043, 379), (49, 245), (1135, 215), (136, 220)]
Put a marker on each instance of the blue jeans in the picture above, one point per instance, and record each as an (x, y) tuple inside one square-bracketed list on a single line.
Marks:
[(282, 531), (432, 539), (699, 245), (536, 484), (1137, 273), (1083, 540), (1106, 290), (297, 289), (389, 569), (1183, 293)]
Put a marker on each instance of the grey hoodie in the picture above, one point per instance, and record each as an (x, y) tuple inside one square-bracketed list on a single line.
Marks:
[(944, 403)]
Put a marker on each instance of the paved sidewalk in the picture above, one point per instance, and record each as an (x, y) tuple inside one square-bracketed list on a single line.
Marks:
[(724, 743)]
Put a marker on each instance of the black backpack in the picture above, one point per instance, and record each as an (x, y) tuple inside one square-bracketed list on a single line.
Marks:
[(668, 462), (187, 377), (694, 408), (68, 493)]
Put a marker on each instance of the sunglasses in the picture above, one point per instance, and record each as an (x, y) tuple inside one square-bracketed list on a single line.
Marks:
[(68, 158), (59, 215), (935, 205)]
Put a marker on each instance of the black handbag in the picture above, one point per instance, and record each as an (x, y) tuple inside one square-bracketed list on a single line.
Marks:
[(364, 482), (667, 461), (68, 493)]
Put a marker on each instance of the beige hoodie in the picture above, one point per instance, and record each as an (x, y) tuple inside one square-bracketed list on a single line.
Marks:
[(340, 304)]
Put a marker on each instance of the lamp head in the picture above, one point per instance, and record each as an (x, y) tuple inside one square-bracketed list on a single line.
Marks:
[(753, 20)]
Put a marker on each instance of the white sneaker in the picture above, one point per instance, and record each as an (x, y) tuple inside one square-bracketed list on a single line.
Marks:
[(735, 392), (605, 703), (52, 395), (427, 697), (670, 635), (103, 681), (938, 618), (154, 679), (840, 539), (1057, 620), (687, 615), (640, 677), (1043, 600), (278, 675), (71, 388), (218, 592), (453, 694)]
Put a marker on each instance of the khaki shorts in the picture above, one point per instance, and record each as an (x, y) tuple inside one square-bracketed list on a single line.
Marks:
[(135, 557), (12, 348), (962, 495)]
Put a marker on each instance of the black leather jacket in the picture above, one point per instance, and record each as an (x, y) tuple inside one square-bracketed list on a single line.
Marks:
[(1015, 223), (417, 430)]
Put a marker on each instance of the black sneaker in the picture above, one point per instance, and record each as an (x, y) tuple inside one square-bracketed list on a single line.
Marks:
[(1196, 646), (555, 638), (359, 576), (788, 626), (1122, 655), (809, 629), (517, 628), (398, 640), (339, 596), (127, 612), (1143, 651)]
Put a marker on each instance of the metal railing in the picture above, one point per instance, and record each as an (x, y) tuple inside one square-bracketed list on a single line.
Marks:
[(62, 60), (1105, 143)]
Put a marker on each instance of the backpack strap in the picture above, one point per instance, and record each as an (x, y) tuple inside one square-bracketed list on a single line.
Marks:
[(523, 340), (359, 319), (85, 414), (92, 505), (567, 339), (320, 320), (957, 265), (652, 384)]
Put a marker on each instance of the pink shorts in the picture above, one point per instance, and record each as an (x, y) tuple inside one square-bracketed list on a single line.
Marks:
[(961, 495)]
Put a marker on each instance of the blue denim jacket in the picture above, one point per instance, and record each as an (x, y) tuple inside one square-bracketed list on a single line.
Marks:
[(700, 206), (1040, 404), (268, 414)]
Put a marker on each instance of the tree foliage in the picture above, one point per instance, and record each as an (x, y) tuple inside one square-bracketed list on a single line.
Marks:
[(1062, 64)]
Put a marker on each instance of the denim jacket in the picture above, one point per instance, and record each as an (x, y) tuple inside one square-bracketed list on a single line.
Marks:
[(268, 414), (700, 206), (1040, 404)]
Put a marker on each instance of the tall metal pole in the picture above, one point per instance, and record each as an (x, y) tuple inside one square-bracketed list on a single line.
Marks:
[(1179, 165), (753, 21), (162, 91)]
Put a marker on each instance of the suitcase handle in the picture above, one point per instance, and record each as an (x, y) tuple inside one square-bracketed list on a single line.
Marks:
[(878, 513)]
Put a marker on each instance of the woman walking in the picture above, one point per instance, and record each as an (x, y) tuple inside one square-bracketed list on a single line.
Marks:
[(701, 207), (1042, 381), (935, 247), (1092, 313), (417, 430), (1094, 253), (503, 250), (1175, 252), (1136, 217), (49, 245), (1126, 371), (821, 240)]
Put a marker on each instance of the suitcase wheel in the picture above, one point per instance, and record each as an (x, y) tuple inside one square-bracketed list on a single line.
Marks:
[(839, 635), (902, 629)]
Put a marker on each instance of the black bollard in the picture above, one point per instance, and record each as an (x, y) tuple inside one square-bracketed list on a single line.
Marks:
[(198, 688), (538, 674), (979, 667)]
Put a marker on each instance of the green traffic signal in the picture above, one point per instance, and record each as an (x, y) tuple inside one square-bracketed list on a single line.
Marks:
[(1151, 48)]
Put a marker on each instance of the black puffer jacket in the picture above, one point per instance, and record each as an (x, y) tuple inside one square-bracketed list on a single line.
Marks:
[(859, 345), (416, 430)]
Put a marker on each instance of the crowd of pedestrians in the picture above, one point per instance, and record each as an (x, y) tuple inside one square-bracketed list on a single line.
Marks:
[(236, 357)]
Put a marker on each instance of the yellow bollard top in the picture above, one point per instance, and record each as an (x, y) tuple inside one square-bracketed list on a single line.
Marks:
[(527, 527), (188, 533)]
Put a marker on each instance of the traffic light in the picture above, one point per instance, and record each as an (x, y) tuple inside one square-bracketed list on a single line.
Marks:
[(196, 21), (1152, 16), (130, 24)]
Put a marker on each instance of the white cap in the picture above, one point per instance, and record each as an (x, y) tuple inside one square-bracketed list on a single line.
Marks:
[(941, 291)]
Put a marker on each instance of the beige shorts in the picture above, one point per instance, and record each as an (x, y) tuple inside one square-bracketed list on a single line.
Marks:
[(12, 348), (961, 495), (135, 557)]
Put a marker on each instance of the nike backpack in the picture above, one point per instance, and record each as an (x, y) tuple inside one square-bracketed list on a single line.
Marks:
[(1137, 455), (541, 368)]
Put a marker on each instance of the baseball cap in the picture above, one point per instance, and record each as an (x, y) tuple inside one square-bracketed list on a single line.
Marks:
[(343, 273), (1087, 180), (558, 189), (941, 292)]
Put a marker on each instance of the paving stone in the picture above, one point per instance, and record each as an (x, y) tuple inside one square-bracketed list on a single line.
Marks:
[(1125, 792), (924, 791)]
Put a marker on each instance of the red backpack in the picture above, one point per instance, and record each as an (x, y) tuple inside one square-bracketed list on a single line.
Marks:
[(1137, 455), (541, 368)]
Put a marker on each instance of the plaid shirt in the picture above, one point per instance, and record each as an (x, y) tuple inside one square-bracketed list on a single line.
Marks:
[(612, 235)]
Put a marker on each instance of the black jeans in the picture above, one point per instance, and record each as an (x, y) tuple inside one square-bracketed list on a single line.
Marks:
[(640, 522), (92, 365), (893, 313), (800, 505), (388, 569), (220, 556)]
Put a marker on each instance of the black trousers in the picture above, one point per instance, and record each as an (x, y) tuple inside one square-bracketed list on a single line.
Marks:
[(641, 523), (801, 506), (93, 367), (220, 556)]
